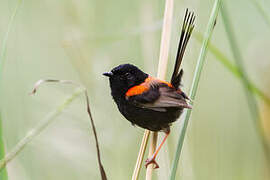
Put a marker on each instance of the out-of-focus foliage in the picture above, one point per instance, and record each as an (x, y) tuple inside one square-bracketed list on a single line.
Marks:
[(79, 40)]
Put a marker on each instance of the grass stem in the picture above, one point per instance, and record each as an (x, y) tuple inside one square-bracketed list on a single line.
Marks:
[(138, 165), (3, 172), (50, 117), (252, 103), (162, 68), (165, 39), (152, 148), (227, 63), (4, 42), (195, 82), (39, 128)]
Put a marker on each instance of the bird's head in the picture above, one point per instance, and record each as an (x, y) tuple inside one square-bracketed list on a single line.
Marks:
[(124, 77)]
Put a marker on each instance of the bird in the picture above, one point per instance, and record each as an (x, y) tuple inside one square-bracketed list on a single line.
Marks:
[(149, 102)]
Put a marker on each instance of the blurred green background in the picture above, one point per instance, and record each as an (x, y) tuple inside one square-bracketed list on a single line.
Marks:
[(79, 40)]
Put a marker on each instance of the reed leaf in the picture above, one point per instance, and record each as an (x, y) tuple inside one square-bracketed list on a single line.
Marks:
[(38, 129), (5, 39), (227, 63), (162, 67), (3, 172), (195, 83), (50, 117), (252, 103)]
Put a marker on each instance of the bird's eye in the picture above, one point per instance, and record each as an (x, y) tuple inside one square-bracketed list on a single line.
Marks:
[(128, 75)]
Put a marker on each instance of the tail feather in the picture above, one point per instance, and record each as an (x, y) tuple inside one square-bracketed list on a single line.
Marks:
[(187, 29)]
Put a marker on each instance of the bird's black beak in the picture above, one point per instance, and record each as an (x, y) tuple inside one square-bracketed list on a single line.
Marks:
[(108, 74)]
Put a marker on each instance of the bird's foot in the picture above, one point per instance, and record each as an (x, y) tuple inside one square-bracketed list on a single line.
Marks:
[(151, 161)]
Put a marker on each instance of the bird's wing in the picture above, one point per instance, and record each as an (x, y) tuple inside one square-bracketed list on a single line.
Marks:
[(158, 96)]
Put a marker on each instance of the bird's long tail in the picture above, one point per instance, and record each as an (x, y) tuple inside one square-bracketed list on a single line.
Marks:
[(187, 28)]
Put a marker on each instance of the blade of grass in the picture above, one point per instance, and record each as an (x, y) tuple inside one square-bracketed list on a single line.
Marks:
[(38, 129), (49, 119), (3, 172), (221, 57), (195, 82), (252, 103), (4, 42)]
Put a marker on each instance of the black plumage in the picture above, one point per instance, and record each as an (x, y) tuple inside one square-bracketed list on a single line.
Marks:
[(146, 101)]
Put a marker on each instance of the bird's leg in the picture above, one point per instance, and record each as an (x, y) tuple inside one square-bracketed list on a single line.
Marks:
[(152, 160)]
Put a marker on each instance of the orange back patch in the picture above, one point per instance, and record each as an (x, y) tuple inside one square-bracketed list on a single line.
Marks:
[(136, 90)]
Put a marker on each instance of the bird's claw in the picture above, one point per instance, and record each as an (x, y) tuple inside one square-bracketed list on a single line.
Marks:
[(151, 161)]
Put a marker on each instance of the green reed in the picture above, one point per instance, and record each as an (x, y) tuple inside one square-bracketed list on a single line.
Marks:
[(195, 83)]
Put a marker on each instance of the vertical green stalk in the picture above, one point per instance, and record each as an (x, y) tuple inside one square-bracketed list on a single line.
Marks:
[(3, 172), (245, 81), (195, 82), (227, 63), (4, 41)]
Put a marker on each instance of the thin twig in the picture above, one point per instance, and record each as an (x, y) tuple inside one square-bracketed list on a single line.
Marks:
[(195, 83), (38, 129), (101, 168), (51, 116)]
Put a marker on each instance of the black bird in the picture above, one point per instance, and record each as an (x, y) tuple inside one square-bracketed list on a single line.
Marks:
[(149, 102)]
